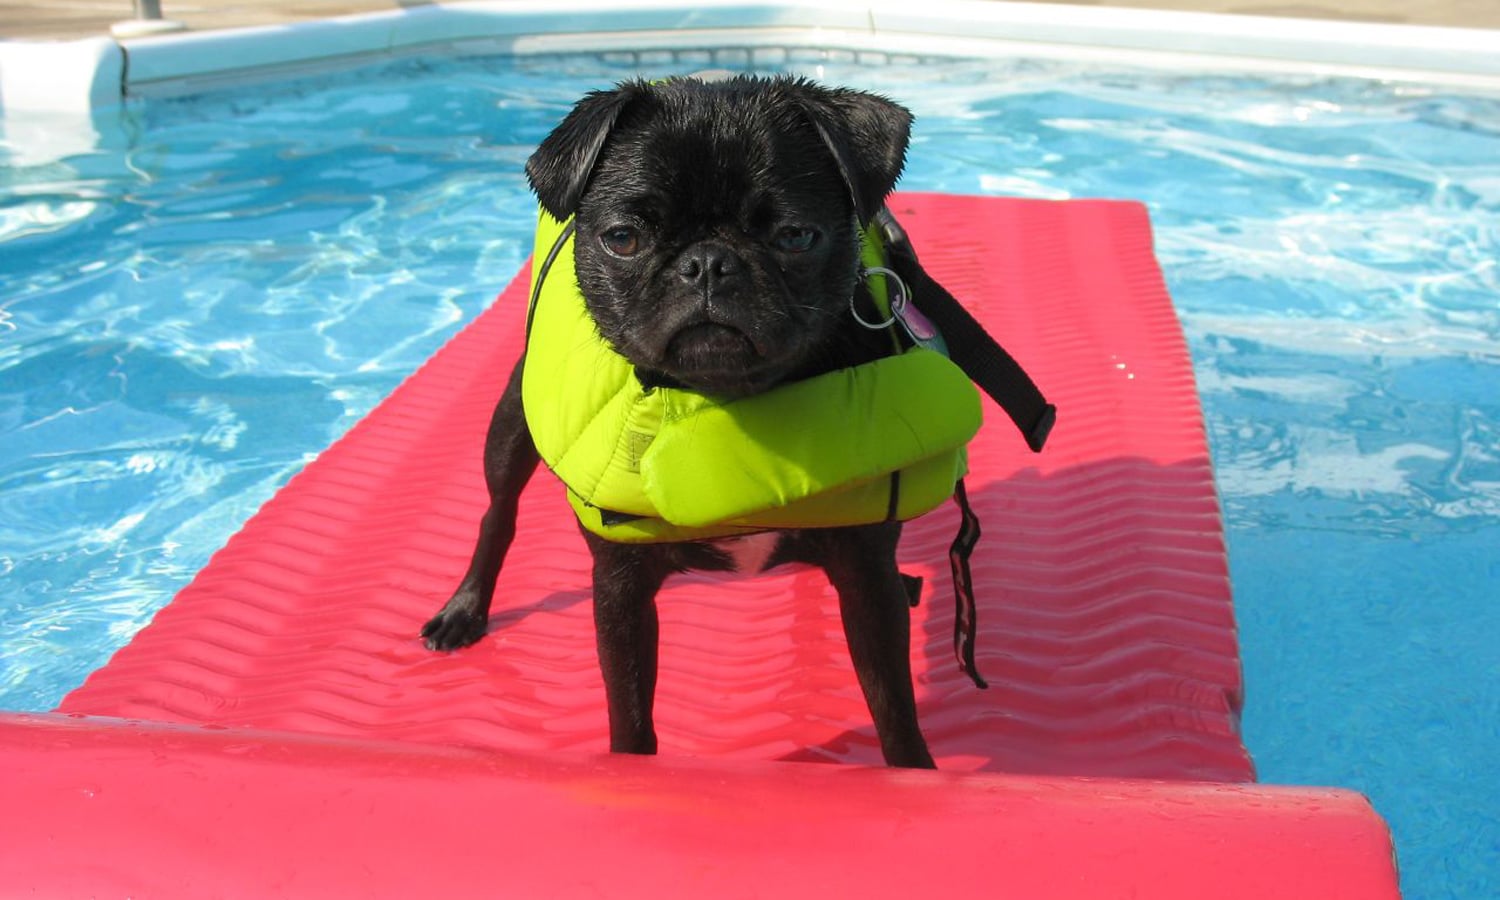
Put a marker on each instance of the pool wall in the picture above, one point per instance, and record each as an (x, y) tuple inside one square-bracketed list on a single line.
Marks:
[(87, 75)]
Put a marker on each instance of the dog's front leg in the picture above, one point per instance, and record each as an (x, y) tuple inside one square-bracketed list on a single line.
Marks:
[(510, 459), (626, 579), (873, 600)]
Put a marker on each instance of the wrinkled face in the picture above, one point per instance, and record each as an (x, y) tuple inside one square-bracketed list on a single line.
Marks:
[(717, 244)]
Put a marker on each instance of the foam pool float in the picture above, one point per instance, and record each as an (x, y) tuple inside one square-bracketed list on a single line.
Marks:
[(279, 729)]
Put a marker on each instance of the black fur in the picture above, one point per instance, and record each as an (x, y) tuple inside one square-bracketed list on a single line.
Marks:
[(717, 249)]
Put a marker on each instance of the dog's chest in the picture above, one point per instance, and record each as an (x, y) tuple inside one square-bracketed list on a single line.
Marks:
[(748, 555)]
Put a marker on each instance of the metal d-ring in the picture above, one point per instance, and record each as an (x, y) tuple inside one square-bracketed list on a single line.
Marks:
[(898, 301)]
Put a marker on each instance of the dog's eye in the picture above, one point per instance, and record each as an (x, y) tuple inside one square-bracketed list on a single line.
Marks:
[(621, 241), (794, 239)]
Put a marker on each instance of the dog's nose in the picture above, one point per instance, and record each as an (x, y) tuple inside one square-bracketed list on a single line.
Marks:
[(707, 265)]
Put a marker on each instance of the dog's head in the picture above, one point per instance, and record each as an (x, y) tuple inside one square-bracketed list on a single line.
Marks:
[(718, 223)]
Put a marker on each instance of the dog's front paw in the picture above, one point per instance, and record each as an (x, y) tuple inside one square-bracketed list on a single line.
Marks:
[(458, 624)]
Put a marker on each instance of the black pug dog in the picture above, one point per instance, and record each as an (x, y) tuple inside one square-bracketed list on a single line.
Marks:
[(717, 248)]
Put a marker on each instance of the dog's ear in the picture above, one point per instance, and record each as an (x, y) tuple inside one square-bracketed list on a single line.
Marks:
[(560, 169), (867, 135)]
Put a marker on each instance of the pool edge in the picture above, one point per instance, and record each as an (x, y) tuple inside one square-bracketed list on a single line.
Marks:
[(87, 75)]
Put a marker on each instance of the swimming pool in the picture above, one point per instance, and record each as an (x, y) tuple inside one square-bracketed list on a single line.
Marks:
[(193, 310)]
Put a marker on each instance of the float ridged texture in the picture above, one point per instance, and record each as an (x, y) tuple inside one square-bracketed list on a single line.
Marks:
[(1106, 626)]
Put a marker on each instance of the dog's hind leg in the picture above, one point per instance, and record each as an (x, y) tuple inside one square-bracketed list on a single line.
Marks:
[(510, 459)]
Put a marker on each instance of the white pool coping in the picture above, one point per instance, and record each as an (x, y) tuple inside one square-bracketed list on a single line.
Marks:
[(96, 73)]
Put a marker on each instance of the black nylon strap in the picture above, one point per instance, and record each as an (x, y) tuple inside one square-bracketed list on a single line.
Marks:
[(894, 506), (996, 373), (545, 266), (986, 363), (965, 618)]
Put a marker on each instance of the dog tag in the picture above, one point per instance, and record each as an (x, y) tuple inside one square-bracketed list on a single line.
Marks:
[(918, 326)]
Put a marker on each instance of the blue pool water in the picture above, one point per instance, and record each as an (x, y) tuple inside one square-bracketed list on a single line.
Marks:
[(192, 310)]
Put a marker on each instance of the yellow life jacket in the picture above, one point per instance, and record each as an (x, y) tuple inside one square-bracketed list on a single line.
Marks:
[(875, 442)]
